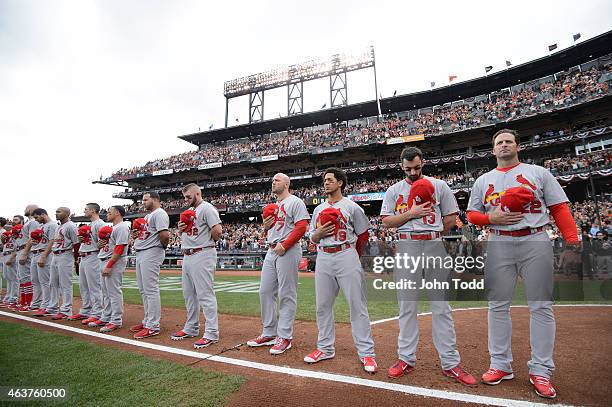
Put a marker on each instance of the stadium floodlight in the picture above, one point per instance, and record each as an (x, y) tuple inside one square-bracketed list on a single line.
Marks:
[(305, 71)]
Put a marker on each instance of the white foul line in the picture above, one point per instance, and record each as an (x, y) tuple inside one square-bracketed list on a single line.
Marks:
[(380, 321), (332, 377)]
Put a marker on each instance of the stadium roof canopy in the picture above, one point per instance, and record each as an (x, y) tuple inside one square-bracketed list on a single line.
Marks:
[(548, 65)]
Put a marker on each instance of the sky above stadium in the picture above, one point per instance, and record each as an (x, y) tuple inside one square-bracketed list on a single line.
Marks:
[(88, 87)]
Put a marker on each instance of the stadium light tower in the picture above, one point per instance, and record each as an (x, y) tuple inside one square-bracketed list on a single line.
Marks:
[(335, 67)]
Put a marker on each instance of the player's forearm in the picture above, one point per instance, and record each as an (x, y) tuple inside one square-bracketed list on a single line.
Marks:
[(295, 235), (216, 232), (478, 218), (47, 249), (395, 221), (448, 222), (362, 241), (565, 222), (26, 249), (164, 238)]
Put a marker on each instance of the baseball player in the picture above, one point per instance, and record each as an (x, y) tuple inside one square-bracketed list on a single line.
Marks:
[(90, 267), (42, 244), (3, 222), (513, 200), (151, 237), (113, 255), (29, 287), (284, 227), (341, 230), (65, 254), (200, 229), (9, 271), (421, 208)]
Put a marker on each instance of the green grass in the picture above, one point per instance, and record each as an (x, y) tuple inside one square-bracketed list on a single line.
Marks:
[(95, 375), (381, 304)]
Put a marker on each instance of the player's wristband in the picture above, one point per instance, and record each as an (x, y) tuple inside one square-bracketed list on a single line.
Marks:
[(478, 218)]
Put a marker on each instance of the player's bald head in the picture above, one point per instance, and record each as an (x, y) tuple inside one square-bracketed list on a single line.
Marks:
[(280, 183), (30, 209), (192, 188), (62, 213)]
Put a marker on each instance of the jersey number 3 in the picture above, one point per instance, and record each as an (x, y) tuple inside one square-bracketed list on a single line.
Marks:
[(429, 219)]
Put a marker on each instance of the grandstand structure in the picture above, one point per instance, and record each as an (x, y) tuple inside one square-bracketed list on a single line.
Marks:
[(561, 104)]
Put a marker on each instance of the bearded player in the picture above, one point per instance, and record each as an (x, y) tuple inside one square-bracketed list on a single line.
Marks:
[(90, 285), (421, 208), (151, 237), (513, 200), (200, 229)]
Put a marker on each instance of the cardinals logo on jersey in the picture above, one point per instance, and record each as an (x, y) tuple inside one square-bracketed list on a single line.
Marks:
[(400, 205), (281, 217), (524, 181), (492, 197)]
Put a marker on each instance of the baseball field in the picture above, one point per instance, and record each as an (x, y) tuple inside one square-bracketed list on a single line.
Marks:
[(116, 369)]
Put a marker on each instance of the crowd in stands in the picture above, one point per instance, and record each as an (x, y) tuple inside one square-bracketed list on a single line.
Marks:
[(565, 164), (567, 88), (571, 163), (247, 237), (237, 200)]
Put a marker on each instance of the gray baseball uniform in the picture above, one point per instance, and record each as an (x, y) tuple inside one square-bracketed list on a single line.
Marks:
[(342, 270), (44, 273), (61, 268), (90, 284), (10, 273), (111, 284), (28, 284), (150, 255), (443, 329), (530, 256), (279, 274), (2, 270), (199, 272)]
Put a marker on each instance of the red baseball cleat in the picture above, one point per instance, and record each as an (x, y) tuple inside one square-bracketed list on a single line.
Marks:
[(543, 386), (40, 313), (180, 335), (109, 328), (58, 316), (203, 343), (495, 376), (317, 356), (97, 323), (88, 320), (262, 341), (369, 364), (146, 333), (280, 346), (461, 376), (77, 317), (399, 369), (137, 328)]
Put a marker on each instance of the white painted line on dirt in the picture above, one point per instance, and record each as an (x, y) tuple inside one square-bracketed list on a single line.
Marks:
[(380, 321), (333, 377)]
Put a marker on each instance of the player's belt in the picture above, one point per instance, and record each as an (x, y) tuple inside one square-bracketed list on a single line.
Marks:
[(85, 254), (519, 233), (20, 248), (58, 252), (420, 236), (335, 249), (142, 250), (189, 252), (37, 251)]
